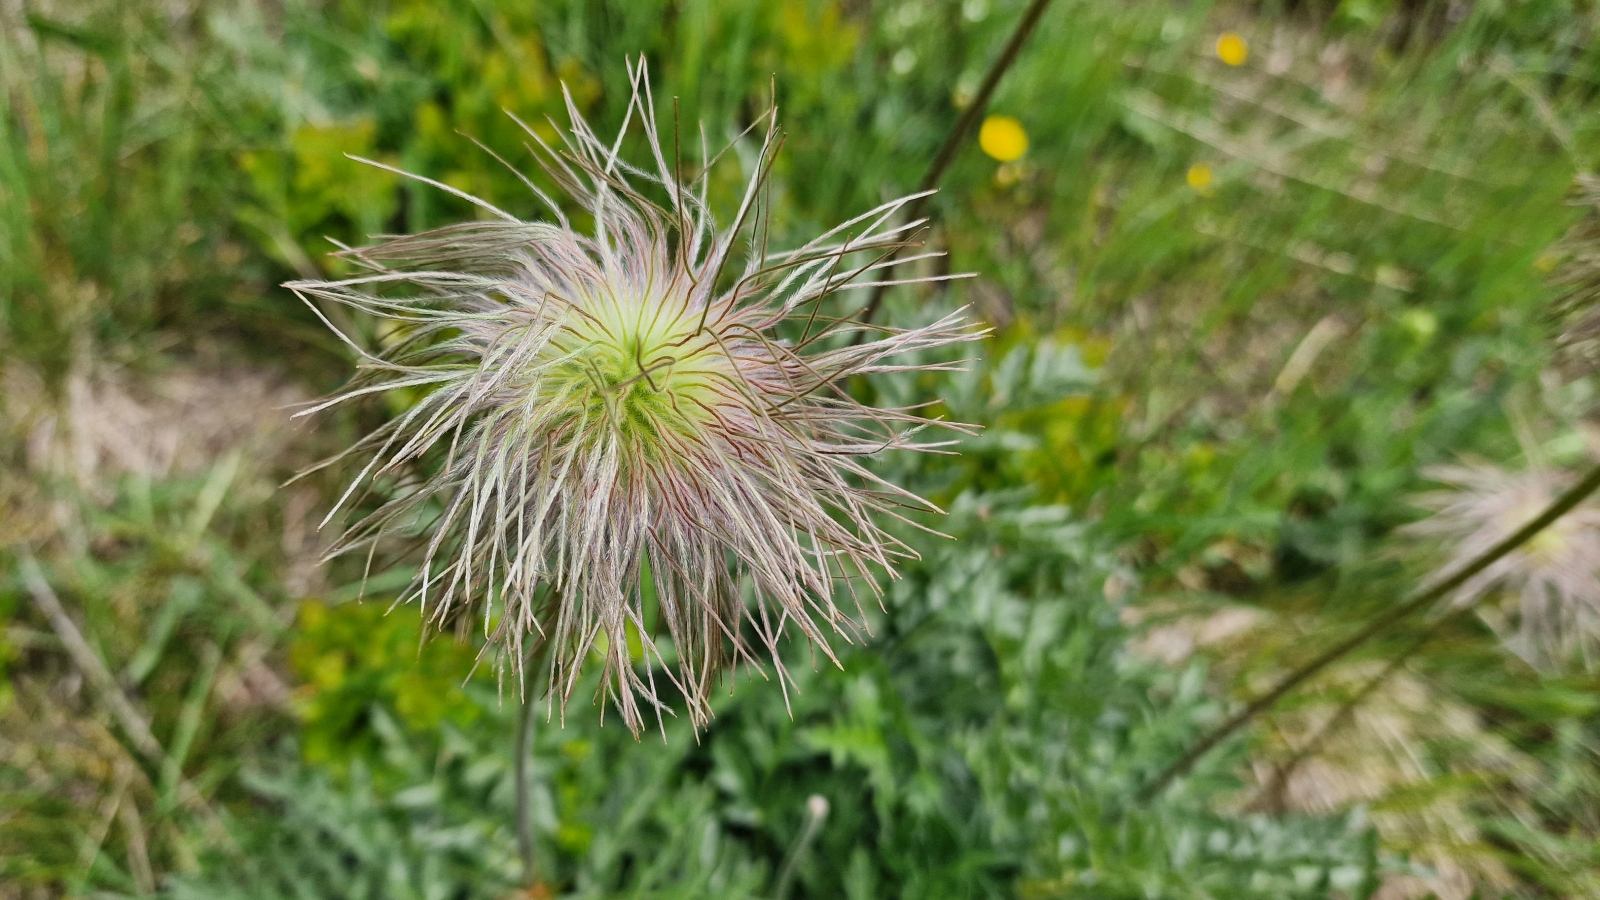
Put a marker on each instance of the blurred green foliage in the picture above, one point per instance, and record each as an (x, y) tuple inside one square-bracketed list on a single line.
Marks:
[(1199, 402), (355, 658), (167, 580)]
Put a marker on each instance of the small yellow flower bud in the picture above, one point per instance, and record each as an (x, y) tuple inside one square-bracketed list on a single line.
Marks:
[(1232, 48), (1003, 138)]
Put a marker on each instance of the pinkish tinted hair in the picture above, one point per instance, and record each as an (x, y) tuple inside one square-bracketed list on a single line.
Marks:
[(613, 415)]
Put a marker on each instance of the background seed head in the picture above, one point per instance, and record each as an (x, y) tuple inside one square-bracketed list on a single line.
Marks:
[(1551, 583)]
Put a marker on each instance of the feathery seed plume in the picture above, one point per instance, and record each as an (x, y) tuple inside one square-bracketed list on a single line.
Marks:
[(646, 412), (1555, 577)]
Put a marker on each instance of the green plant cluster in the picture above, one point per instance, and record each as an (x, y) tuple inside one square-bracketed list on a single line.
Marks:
[(994, 706)]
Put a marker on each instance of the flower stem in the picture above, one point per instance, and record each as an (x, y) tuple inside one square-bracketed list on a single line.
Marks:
[(816, 814), (530, 870), (1562, 505), (519, 764)]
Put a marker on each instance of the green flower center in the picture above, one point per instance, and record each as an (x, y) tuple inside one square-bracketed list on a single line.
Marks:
[(639, 375)]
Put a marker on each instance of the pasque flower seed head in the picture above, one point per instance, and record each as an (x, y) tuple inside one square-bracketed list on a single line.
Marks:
[(1554, 578), (608, 420)]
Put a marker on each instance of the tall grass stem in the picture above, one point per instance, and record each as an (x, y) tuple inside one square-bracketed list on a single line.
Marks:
[(958, 136)]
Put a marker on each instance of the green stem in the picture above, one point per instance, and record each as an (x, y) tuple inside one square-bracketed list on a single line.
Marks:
[(816, 814), (530, 870), (519, 764)]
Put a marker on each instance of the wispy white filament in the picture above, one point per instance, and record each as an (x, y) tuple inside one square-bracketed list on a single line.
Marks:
[(1554, 577), (608, 420)]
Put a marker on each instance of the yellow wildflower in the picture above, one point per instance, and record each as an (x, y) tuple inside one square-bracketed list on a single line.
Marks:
[(1003, 138), (1232, 48)]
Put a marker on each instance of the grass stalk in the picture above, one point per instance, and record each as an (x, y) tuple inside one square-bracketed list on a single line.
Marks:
[(958, 136), (1272, 794)]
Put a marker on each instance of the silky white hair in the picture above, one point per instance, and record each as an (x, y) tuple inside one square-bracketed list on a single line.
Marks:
[(606, 420), (1554, 578)]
